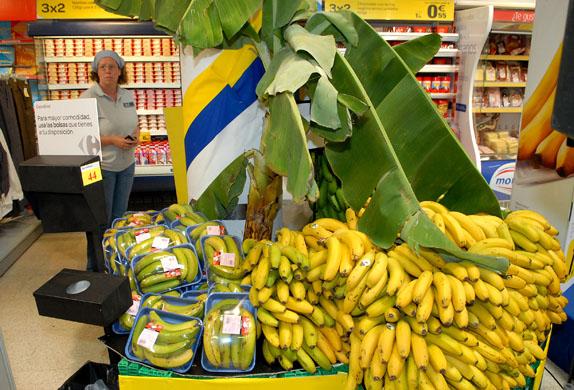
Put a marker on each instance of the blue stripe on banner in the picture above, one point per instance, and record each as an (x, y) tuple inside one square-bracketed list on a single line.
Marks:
[(223, 109)]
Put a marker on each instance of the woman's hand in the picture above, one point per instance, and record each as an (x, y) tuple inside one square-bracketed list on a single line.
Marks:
[(123, 143)]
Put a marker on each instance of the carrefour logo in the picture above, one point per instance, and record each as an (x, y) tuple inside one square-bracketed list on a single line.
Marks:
[(502, 178)]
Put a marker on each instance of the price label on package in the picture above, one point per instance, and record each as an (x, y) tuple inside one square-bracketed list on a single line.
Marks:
[(227, 259), (231, 324), (147, 338), (169, 263), (91, 173), (134, 308), (142, 236), (160, 242), (215, 230)]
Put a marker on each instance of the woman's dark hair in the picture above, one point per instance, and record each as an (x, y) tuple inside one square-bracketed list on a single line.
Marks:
[(121, 80)]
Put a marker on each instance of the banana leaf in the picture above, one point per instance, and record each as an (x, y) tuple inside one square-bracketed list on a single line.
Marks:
[(284, 146), (220, 199), (201, 26), (235, 13), (368, 166), (416, 53), (169, 13), (435, 163)]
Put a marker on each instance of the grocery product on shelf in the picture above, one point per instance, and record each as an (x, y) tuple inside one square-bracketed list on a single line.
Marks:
[(153, 75)]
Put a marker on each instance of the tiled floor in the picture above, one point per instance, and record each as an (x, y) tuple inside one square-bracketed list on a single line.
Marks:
[(44, 352)]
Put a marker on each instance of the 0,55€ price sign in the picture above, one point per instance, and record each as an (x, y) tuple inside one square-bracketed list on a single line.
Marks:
[(91, 173), (415, 10)]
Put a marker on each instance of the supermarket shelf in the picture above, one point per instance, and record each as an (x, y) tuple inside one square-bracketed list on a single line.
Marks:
[(440, 95), (158, 111), (155, 133), (500, 57), (447, 53), (154, 170), (480, 83), (56, 87), (439, 69), (397, 36), (488, 110), (127, 59)]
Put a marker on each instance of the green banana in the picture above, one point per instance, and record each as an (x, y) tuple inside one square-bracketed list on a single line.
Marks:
[(248, 341), (139, 327), (159, 287), (186, 335), (318, 356), (169, 362), (127, 321), (306, 362), (149, 259), (210, 332)]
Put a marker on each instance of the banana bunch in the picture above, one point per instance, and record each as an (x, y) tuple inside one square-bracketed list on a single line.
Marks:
[(147, 244), (183, 213), (331, 202), (224, 259), (151, 273), (538, 140), (205, 229), (173, 347), (228, 346), (177, 305), (134, 219), (406, 318)]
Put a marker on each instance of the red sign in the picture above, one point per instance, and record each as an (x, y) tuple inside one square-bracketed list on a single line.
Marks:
[(22, 10), (514, 16)]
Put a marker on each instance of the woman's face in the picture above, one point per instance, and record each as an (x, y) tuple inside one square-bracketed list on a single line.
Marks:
[(108, 72)]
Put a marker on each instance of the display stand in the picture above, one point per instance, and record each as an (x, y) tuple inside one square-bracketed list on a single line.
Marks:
[(63, 200)]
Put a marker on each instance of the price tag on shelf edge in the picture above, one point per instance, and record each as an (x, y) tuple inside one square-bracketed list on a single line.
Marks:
[(412, 10), (169, 263), (147, 338), (91, 173), (160, 242), (231, 324)]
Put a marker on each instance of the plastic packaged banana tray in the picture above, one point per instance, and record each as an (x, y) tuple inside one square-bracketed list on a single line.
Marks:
[(223, 259), (168, 269), (230, 335), (164, 340)]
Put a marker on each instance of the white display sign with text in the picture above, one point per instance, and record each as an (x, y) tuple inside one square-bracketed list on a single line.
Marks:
[(68, 127)]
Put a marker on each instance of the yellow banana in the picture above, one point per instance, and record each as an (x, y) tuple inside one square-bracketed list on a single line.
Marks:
[(434, 206), (469, 225), (369, 344), (396, 276), (386, 342), (454, 228), (443, 289), (403, 338), (419, 351), (377, 270), (420, 287), (333, 258), (425, 306)]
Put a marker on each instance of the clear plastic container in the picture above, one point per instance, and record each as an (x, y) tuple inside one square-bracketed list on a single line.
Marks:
[(225, 265), (195, 232), (162, 239), (164, 340), (229, 340), (166, 270)]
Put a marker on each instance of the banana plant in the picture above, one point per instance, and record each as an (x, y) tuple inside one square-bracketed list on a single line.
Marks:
[(385, 139)]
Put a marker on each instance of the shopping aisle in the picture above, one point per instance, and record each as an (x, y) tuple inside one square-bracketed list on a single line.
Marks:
[(44, 352)]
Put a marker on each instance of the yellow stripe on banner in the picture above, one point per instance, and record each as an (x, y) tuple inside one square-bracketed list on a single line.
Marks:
[(540, 369), (331, 382), (176, 135), (225, 70)]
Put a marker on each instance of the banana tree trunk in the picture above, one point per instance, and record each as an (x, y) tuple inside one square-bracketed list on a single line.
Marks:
[(263, 202)]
